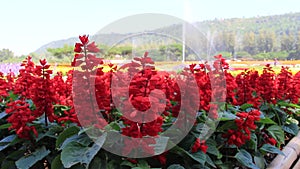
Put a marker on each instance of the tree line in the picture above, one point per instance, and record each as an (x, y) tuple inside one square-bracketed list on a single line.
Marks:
[(263, 44)]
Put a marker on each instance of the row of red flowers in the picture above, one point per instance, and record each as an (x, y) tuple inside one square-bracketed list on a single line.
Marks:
[(40, 93)]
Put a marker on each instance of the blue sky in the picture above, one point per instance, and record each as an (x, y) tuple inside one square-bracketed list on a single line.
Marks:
[(28, 24)]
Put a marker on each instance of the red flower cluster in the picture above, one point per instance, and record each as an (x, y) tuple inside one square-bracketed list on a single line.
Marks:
[(287, 86), (84, 83), (43, 95), (34, 84), (20, 118), (266, 85), (3, 87), (269, 140), (140, 116), (63, 92), (199, 145), (245, 122), (246, 86)]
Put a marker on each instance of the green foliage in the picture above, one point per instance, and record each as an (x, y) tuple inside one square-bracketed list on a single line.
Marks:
[(5, 54), (26, 162), (246, 159), (65, 51), (172, 52), (271, 149)]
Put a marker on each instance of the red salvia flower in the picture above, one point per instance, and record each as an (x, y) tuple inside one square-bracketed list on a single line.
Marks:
[(266, 85), (20, 118), (199, 145), (84, 39), (245, 123)]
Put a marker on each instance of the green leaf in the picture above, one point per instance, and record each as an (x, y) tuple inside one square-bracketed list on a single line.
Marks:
[(5, 126), (199, 157), (259, 161), (15, 141), (113, 164), (28, 161), (97, 163), (225, 166), (264, 107), (271, 149), (245, 159), (3, 114), (30, 102), (212, 148), (291, 128), (287, 104), (56, 129), (143, 164), (114, 126), (295, 111), (175, 166), (281, 113), (225, 116), (277, 133), (5, 142), (15, 155), (66, 134), (127, 163), (266, 121), (75, 153), (246, 106), (85, 130), (91, 153), (8, 165), (82, 139), (52, 132), (56, 163), (13, 96), (210, 162), (253, 142), (228, 125)]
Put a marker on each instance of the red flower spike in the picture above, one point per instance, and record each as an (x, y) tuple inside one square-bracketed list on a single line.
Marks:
[(92, 47), (78, 47), (146, 54), (43, 62), (79, 55), (245, 122), (84, 39), (199, 145)]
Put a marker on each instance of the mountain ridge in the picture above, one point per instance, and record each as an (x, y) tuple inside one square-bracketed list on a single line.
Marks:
[(289, 22)]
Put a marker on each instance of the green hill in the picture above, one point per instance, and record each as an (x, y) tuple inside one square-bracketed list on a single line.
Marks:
[(261, 37)]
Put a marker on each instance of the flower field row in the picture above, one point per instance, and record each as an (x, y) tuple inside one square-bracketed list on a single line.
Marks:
[(136, 116)]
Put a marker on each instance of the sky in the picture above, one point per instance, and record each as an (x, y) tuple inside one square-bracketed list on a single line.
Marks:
[(26, 25)]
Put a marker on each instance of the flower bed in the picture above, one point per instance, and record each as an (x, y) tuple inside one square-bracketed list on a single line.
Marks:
[(50, 122)]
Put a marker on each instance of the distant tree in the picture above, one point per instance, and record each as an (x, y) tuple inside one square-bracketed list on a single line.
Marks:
[(6, 54), (249, 43), (298, 42), (261, 41), (65, 51), (270, 41), (294, 55), (230, 42), (172, 52), (287, 42), (125, 51)]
